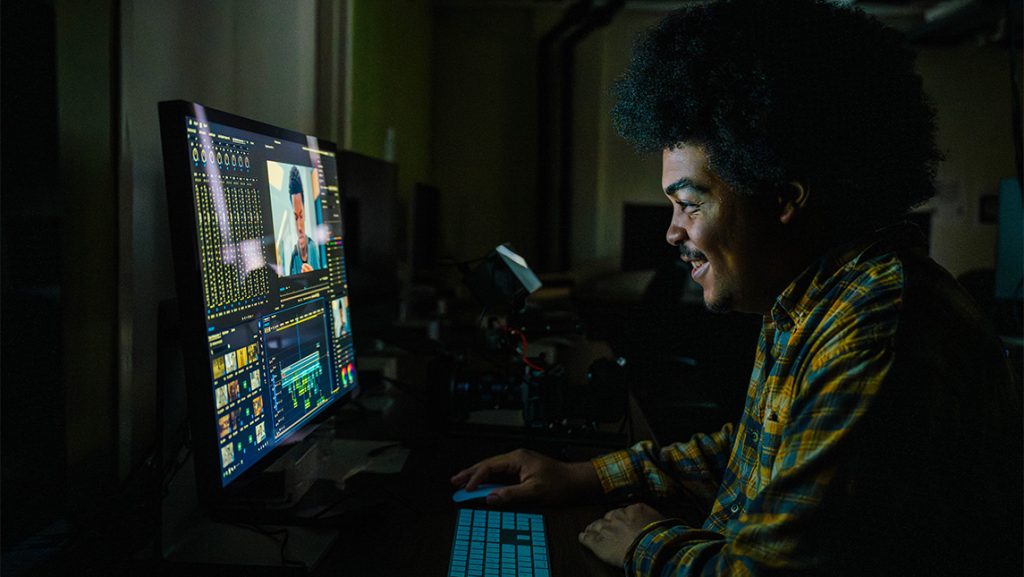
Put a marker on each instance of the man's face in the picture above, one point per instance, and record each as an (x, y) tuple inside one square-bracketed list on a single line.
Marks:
[(721, 233), (300, 225)]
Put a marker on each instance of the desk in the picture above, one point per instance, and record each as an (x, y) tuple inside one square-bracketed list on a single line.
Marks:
[(411, 534)]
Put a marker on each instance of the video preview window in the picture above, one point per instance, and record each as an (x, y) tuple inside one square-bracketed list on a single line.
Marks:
[(299, 233)]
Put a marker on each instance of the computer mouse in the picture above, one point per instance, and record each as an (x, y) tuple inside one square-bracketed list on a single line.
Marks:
[(480, 492)]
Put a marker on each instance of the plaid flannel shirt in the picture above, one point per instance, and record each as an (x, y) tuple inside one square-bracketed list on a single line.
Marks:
[(825, 351)]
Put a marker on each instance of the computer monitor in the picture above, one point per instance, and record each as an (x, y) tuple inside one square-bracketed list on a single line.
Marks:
[(425, 246), (256, 218), (374, 235), (1010, 250), (373, 221)]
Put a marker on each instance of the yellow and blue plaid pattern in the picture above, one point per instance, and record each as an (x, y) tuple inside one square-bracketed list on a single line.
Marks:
[(824, 350)]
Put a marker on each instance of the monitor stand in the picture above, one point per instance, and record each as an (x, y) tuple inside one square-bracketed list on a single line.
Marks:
[(314, 471), (302, 497), (309, 484)]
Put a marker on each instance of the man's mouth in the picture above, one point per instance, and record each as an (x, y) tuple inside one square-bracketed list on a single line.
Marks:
[(699, 268), (696, 259)]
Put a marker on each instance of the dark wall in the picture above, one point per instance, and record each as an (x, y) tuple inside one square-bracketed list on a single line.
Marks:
[(34, 449), (59, 260)]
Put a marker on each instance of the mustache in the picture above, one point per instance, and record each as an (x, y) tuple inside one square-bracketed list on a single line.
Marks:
[(691, 253)]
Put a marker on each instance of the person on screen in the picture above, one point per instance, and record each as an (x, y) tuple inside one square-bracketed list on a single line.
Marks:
[(305, 256), (882, 431), (340, 309)]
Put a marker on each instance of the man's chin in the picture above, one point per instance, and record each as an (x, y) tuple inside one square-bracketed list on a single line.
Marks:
[(718, 303)]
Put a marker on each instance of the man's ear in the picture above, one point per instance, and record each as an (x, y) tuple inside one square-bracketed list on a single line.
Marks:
[(792, 198)]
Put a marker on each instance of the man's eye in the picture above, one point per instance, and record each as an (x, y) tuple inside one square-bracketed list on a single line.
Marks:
[(687, 206)]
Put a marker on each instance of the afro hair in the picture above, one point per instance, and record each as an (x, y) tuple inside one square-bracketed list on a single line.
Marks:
[(788, 90)]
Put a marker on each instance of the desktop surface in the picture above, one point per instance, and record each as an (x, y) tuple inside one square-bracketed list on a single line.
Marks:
[(412, 531)]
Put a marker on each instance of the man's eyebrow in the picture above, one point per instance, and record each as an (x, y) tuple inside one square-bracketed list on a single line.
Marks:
[(684, 183)]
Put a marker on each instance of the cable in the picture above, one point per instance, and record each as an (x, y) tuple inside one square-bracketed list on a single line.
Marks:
[(524, 345), (279, 535), (171, 470)]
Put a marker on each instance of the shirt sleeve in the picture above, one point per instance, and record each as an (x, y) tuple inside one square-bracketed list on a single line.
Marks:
[(693, 469), (774, 533)]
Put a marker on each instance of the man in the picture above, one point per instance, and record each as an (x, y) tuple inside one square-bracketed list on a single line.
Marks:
[(881, 432), (305, 256)]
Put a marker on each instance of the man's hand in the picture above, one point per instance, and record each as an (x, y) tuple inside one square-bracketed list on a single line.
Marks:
[(541, 479), (610, 537)]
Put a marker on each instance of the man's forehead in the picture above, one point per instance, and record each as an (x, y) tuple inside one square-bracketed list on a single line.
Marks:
[(683, 162)]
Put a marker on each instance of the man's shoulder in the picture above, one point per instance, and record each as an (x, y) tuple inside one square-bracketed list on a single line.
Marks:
[(890, 269), (866, 286), (882, 291), (862, 295)]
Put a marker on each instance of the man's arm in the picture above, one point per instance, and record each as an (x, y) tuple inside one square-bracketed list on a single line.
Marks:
[(541, 479), (774, 532), (693, 469)]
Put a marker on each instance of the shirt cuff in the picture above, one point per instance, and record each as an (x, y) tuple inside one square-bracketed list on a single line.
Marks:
[(642, 552), (615, 470)]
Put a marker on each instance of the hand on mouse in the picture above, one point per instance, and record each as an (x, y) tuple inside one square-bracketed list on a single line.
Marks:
[(541, 479), (609, 538)]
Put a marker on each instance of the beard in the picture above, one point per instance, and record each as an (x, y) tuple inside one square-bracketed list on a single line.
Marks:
[(722, 304)]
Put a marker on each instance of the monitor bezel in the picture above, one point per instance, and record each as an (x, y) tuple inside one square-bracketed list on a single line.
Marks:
[(188, 282)]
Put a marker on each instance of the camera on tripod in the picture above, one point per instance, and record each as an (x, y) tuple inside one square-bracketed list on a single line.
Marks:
[(503, 372)]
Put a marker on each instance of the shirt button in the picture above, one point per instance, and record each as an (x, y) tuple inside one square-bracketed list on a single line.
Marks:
[(735, 508)]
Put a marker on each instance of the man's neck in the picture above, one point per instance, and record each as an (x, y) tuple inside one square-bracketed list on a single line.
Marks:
[(794, 255)]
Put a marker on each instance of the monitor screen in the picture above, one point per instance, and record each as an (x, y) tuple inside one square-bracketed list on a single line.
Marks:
[(256, 219), (1010, 250)]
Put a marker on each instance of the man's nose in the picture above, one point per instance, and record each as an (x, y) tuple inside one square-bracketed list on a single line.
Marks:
[(676, 234)]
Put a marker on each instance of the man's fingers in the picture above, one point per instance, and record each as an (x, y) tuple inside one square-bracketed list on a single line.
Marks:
[(501, 464), (460, 477), (591, 535), (513, 494), (509, 464), (473, 476), (484, 472), (479, 475)]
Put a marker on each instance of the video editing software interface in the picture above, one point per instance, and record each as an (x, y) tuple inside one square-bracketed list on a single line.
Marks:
[(272, 265)]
